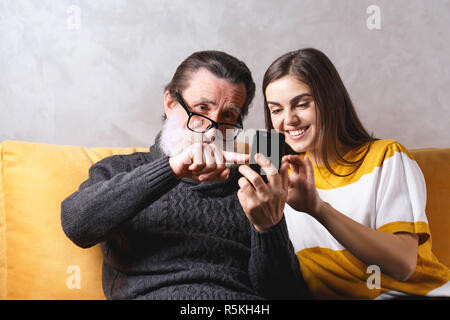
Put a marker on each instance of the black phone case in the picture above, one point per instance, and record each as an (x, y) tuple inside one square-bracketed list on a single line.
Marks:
[(270, 143)]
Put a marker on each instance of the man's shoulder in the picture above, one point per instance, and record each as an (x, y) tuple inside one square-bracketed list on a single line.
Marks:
[(122, 162), (126, 158)]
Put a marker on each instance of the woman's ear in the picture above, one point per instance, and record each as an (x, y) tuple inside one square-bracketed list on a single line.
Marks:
[(169, 104)]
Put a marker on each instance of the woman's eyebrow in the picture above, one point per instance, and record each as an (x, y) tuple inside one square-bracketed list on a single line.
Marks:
[(274, 103), (293, 100)]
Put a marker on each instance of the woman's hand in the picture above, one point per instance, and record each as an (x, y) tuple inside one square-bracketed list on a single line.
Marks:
[(395, 254), (263, 203), (302, 192)]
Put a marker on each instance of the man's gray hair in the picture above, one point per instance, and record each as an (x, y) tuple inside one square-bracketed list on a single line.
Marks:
[(222, 65)]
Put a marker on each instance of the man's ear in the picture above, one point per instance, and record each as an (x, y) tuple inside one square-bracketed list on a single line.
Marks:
[(169, 104)]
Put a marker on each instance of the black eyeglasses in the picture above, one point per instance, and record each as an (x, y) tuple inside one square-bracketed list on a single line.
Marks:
[(200, 123)]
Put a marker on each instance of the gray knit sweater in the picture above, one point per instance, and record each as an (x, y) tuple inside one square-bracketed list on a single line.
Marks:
[(168, 238)]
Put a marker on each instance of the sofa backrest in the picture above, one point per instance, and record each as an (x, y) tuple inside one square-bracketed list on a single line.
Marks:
[(37, 260), (435, 166)]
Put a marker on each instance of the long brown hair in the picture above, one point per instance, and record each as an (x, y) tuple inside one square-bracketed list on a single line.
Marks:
[(338, 119)]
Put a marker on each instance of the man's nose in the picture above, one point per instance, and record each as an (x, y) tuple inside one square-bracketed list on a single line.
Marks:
[(210, 135)]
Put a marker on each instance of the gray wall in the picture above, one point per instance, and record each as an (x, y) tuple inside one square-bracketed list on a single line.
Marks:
[(92, 72)]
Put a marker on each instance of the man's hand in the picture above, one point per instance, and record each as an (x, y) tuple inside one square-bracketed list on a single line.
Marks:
[(205, 162), (263, 203)]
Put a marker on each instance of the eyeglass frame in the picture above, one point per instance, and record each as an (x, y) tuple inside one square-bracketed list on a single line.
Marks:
[(214, 124)]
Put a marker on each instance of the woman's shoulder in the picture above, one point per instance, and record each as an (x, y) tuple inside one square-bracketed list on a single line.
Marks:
[(379, 152), (383, 149)]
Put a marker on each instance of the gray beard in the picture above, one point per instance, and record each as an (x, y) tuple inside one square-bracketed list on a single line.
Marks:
[(176, 139)]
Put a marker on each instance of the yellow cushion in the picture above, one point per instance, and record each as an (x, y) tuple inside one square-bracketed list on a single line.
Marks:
[(40, 262), (2, 234), (37, 259), (435, 165)]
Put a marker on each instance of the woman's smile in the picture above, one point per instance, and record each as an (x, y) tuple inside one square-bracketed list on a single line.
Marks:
[(293, 112), (296, 134)]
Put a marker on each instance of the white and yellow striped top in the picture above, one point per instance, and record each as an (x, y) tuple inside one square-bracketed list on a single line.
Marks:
[(387, 193)]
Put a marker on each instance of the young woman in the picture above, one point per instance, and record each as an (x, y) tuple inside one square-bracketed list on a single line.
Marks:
[(355, 204)]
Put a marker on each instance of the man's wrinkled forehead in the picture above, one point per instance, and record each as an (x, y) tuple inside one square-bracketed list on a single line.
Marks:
[(205, 85), (204, 100)]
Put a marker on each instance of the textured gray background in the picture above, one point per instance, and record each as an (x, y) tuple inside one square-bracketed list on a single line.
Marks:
[(102, 84)]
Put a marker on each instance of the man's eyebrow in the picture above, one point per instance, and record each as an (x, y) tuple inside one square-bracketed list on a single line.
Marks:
[(293, 100), (211, 102), (205, 100), (235, 108)]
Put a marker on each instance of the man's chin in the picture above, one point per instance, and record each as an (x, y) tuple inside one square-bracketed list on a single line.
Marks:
[(172, 148), (175, 140)]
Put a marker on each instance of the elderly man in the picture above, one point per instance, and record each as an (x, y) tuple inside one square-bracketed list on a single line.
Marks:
[(169, 221)]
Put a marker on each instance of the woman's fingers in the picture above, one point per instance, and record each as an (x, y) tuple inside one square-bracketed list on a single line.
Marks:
[(284, 175), (295, 160), (309, 170), (298, 165), (294, 165)]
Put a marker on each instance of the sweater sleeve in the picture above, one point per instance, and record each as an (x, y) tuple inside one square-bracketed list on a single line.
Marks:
[(113, 194), (273, 267), (401, 194)]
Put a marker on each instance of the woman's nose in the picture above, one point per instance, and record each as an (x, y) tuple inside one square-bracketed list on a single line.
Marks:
[(291, 118)]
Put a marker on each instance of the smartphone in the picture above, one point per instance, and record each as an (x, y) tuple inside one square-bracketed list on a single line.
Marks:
[(270, 143)]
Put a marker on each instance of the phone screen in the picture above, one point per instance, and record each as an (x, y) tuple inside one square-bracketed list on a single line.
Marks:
[(270, 143)]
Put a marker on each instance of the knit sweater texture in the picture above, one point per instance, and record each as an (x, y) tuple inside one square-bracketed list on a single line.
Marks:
[(169, 238)]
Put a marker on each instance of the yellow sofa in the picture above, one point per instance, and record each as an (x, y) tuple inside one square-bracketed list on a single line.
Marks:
[(37, 261)]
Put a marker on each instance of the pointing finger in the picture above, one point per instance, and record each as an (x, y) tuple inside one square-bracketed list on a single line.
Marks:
[(236, 158)]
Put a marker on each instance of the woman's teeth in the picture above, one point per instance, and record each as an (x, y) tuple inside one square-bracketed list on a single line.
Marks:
[(297, 132)]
